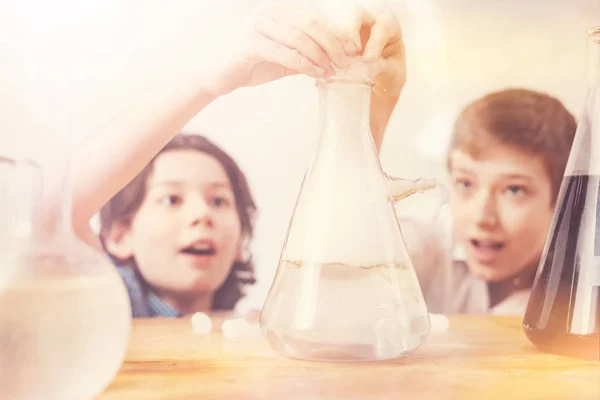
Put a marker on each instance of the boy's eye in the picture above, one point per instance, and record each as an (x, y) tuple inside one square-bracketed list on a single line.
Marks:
[(170, 200), (462, 184), (219, 202), (516, 190)]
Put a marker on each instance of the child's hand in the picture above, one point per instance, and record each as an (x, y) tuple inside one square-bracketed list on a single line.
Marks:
[(285, 41), (380, 38)]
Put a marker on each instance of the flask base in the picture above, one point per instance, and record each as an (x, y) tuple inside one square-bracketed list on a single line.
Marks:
[(304, 348), (566, 344)]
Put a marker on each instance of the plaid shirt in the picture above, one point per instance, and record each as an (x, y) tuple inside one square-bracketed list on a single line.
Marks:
[(144, 303)]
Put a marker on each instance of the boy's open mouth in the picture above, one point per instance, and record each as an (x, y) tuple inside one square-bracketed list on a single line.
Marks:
[(487, 245), (202, 248)]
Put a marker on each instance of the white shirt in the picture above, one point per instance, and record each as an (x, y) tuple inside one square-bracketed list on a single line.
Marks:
[(448, 286)]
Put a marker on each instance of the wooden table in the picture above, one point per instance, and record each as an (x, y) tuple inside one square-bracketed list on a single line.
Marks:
[(478, 358)]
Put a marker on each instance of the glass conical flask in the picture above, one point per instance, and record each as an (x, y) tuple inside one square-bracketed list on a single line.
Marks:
[(345, 288), (563, 314), (65, 316)]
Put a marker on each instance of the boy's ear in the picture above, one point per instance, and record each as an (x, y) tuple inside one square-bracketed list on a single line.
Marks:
[(118, 241)]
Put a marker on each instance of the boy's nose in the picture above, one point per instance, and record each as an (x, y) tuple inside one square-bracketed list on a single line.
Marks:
[(199, 212), (486, 214)]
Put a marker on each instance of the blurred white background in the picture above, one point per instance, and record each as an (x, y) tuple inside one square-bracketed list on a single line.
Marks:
[(457, 50)]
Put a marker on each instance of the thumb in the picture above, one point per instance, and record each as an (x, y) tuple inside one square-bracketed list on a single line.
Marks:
[(385, 29), (360, 19)]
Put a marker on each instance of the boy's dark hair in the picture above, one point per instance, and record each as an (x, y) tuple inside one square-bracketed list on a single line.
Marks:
[(125, 204), (523, 119)]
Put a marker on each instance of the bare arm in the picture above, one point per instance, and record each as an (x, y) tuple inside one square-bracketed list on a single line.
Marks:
[(381, 39), (382, 106), (114, 156)]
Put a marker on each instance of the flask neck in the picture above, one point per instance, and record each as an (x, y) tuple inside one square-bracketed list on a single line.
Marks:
[(584, 158), (48, 132), (345, 139), (345, 131), (55, 203), (594, 57), (345, 106)]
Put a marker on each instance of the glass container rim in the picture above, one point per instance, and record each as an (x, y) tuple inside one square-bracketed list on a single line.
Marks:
[(345, 80)]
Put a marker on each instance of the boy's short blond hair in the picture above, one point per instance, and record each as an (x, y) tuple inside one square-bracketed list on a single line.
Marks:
[(526, 120)]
